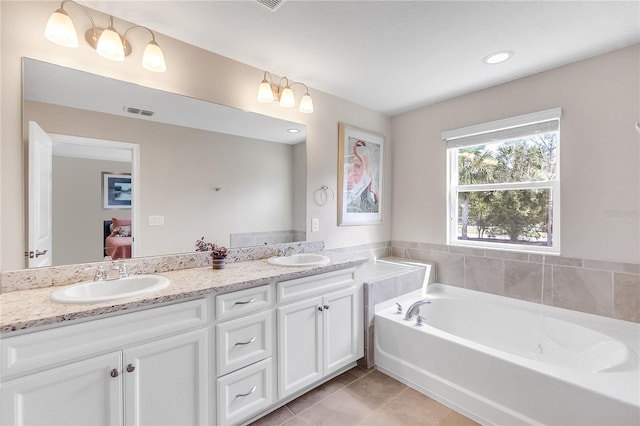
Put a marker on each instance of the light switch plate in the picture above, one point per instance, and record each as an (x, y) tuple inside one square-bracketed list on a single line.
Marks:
[(156, 220)]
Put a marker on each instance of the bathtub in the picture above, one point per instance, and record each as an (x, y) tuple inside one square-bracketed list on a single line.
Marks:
[(505, 361)]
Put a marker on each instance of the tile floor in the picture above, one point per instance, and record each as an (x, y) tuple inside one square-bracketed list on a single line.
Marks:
[(357, 397)]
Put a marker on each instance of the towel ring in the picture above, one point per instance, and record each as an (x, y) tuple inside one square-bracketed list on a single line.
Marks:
[(322, 195)]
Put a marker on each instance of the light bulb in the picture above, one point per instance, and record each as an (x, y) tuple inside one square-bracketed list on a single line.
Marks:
[(110, 45), (306, 104), (497, 57), (60, 29), (153, 59), (287, 99), (265, 93)]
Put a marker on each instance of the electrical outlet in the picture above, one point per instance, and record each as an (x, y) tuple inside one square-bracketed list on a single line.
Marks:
[(315, 224), (156, 220)]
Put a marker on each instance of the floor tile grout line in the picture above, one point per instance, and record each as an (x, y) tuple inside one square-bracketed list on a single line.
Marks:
[(377, 409), (366, 373)]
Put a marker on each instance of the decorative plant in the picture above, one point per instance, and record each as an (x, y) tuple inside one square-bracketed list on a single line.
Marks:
[(216, 251)]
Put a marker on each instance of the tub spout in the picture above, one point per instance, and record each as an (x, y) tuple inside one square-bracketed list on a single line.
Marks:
[(415, 308)]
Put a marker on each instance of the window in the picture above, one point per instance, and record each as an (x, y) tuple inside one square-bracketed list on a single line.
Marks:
[(504, 183)]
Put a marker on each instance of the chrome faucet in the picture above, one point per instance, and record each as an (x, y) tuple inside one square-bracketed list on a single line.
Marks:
[(100, 274), (415, 308), (122, 270)]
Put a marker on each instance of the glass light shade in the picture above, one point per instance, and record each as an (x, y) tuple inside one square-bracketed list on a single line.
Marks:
[(153, 58), (110, 45), (60, 29), (306, 104), (265, 93), (287, 99)]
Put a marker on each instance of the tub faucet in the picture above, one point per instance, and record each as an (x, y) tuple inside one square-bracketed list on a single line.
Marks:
[(415, 308)]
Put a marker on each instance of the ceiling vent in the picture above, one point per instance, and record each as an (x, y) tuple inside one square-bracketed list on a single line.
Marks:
[(272, 5), (139, 111)]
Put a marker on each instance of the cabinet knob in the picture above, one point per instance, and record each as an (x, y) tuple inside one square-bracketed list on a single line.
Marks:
[(114, 373), (130, 368), (320, 308), (326, 307)]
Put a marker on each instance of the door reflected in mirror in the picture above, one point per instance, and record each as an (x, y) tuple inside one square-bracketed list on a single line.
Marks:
[(197, 168)]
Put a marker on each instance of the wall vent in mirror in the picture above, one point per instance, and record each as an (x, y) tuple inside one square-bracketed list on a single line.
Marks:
[(139, 111), (271, 4)]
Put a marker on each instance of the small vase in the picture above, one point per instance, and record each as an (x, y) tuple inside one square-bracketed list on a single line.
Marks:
[(217, 263)]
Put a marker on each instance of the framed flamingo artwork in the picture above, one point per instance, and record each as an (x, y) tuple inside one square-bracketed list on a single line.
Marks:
[(360, 166)]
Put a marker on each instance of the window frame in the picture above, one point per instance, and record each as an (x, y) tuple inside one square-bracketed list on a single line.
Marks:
[(477, 133)]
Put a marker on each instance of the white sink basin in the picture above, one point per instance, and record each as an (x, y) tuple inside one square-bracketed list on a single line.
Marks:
[(105, 291), (302, 259)]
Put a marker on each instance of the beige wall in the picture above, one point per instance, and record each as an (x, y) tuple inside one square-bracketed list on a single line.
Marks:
[(77, 208), (192, 72), (599, 154)]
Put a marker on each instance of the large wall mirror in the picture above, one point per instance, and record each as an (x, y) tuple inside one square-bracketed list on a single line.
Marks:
[(160, 169)]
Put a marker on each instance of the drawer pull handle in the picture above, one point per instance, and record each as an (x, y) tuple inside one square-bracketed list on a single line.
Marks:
[(253, 339), (253, 389), (244, 303), (114, 373), (130, 368)]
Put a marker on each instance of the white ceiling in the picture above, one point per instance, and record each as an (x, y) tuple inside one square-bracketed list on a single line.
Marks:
[(392, 56)]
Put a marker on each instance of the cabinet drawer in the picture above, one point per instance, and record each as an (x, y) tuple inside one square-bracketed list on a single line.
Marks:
[(243, 341), (241, 302), (245, 393), (48, 347), (315, 285)]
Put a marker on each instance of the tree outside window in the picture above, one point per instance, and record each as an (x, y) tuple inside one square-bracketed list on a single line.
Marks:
[(504, 191)]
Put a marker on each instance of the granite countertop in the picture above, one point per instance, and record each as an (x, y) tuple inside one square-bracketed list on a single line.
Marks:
[(20, 310)]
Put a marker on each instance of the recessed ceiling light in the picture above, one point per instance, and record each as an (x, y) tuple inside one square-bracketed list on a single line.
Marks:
[(497, 57), (293, 130)]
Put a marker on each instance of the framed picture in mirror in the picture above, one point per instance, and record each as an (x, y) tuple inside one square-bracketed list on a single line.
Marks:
[(116, 191)]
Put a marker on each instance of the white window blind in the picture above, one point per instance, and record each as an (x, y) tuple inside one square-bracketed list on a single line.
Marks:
[(505, 129)]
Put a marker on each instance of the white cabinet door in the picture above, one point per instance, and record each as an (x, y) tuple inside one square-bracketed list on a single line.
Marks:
[(81, 393), (299, 345), (166, 381), (342, 327)]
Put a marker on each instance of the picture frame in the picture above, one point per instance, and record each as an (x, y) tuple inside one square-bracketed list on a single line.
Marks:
[(360, 176), (116, 191)]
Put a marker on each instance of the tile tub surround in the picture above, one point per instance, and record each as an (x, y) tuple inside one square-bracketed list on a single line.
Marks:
[(598, 287), (30, 308), (251, 239), (385, 279), (25, 279)]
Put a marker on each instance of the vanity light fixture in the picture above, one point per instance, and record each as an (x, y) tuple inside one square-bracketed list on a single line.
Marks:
[(108, 42), (497, 57), (282, 92)]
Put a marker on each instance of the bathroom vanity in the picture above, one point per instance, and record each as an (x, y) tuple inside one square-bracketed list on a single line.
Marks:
[(223, 354)]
